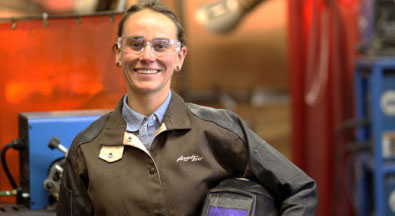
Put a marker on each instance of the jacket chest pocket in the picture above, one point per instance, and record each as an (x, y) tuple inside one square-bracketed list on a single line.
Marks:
[(111, 153)]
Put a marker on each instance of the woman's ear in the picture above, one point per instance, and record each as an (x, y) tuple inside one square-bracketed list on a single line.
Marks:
[(181, 56), (117, 53)]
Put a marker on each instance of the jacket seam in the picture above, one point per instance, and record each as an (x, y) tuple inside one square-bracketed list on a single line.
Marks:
[(216, 123), (96, 130)]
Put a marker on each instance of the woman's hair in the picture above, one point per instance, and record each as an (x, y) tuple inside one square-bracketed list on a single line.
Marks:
[(156, 6)]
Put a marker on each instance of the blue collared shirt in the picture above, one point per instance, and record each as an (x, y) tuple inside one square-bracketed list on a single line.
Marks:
[(142, 126)]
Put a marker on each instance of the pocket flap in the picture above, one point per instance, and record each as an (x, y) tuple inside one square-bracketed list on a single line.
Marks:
[(111, 153)]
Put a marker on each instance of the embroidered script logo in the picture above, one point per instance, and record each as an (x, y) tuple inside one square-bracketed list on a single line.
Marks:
[(192, 158)]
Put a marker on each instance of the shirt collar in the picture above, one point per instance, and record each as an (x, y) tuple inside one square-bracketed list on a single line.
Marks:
[(135, 120), (161, 111)]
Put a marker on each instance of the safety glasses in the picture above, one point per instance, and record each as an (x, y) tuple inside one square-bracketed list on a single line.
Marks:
[(159, 46)]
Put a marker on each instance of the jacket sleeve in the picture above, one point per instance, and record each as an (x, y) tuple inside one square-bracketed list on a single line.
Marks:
[(295, 192), (72, 198)]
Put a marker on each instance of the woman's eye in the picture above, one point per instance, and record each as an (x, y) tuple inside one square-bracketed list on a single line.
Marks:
[(135, 45), (162, 46)]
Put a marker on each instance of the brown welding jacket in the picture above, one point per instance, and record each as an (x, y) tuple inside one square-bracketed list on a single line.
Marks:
[(107, 172)]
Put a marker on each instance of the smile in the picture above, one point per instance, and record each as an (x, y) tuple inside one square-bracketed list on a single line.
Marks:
[(145, 71)]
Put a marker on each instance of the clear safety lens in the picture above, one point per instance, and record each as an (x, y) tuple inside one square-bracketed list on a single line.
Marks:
[(159, 46)]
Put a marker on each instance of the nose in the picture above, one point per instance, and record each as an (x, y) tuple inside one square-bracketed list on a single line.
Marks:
[(147, 53)]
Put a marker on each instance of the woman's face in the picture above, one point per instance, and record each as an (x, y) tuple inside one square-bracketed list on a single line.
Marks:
[(145, 73)]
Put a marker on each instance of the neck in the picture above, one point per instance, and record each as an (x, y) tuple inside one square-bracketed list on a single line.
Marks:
[(146, 104)]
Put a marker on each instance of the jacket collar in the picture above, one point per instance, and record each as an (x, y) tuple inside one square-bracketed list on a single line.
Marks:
[(115, 127), (176, 118)]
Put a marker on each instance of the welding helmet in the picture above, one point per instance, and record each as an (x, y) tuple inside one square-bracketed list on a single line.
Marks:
[(239, 197)]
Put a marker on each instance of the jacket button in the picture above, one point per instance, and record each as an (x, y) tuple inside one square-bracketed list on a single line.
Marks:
[(152, 170)]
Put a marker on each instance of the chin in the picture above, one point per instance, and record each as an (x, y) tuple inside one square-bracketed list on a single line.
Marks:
[(146, 90)]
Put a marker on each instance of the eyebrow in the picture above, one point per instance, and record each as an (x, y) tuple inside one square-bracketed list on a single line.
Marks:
[(161, 39), (135, 37), (141, 37)]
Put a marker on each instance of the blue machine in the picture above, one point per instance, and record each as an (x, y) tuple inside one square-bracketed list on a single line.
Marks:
[(36, 129), (375, 99)]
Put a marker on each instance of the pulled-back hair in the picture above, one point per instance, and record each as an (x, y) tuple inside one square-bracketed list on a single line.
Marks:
[(156, 6)]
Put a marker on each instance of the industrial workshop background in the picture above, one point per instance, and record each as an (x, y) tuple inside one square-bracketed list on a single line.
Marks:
[(288, 68)]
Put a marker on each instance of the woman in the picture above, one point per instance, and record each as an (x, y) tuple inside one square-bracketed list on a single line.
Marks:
[(155, 154)]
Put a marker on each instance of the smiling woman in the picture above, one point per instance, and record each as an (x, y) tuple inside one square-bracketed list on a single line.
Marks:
[(148, 72), (157, 155)]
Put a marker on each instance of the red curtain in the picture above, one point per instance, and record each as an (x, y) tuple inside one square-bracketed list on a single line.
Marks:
[(322, 38), (65, 65)]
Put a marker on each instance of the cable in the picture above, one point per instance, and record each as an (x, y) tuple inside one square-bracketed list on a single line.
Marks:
[(340, 151), (15, 144), (5, 167), (354, 148)]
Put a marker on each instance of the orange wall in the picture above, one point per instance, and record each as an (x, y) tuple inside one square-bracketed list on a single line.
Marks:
[(63, 66)]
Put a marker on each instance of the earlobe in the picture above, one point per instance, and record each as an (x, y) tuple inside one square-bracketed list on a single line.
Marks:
[(117, 54), (180, 58)]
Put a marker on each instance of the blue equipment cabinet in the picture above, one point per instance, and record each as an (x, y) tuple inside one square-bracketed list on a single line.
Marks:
[(375, 99), (36, 129)]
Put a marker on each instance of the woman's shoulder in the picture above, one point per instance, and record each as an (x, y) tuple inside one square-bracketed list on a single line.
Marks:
[(222, 117), (92, 131), (208, 113)]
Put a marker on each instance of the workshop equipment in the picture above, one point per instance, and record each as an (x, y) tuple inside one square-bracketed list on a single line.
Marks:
[(52, 182), (377, 27), (239, 197), (375, 100), (37, 161)]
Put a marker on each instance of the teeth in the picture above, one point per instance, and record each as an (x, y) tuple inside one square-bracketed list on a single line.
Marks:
[(147, 71)]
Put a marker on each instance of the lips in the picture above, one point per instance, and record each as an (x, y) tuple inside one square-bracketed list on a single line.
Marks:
[(147, 71)]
